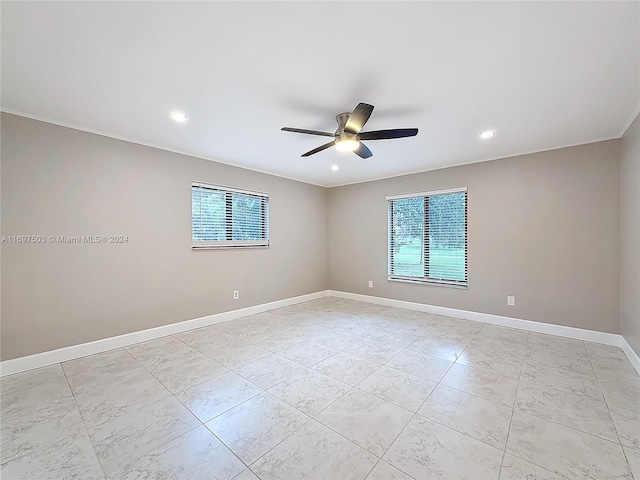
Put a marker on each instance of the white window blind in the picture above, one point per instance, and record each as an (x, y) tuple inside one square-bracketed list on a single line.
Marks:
[(428, 237), (223, 217)]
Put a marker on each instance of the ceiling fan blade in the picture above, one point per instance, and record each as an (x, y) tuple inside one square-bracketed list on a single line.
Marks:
[(358, 118), (362, 151), (310, 132), (319, 149), (387, 134)]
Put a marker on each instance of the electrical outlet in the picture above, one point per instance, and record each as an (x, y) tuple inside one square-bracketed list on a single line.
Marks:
[(511, 301), (370, 283), (236, 294)]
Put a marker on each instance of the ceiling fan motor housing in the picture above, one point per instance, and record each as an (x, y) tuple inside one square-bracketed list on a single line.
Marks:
[(340, 134), (349, 140)]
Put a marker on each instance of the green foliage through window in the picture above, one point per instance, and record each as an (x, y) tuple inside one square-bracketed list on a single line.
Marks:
[(428, 237), (224, 217)]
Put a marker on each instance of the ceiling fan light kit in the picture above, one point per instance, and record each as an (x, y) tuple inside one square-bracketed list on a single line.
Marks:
[(348, 135), (347, 144)]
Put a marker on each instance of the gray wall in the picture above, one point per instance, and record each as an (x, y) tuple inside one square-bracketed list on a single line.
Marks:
[(543, 227), (60, 181), (630, 236)]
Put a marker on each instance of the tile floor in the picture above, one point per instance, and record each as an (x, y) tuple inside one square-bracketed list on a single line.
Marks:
[(330, 389)]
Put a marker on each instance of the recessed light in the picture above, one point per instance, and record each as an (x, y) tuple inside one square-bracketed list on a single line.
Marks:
[(335, 168), (179, 116), (487, 134)]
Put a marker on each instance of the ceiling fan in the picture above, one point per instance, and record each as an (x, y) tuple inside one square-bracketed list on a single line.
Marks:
[(348, 135)]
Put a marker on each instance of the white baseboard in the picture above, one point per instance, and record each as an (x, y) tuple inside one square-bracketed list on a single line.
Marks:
[(630, 353), (558, 330), (531, 326), (43, 359)]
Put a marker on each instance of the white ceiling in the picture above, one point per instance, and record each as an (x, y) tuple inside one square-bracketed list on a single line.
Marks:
[(543, 75)]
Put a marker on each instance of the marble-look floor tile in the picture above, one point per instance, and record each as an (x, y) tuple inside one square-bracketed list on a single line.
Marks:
[(555, 343), (622, 392), (424, 318), (608, 360), (474, 416), (384, 471), (186, 372), (175, 364), (407, 391), (505, 334), (565, 451), (206, 337), (247, 328), (30, 433), (315, 452), (47, 413), (567, 353), (253, 428), (157, 354), (482, 382), (437, 348), (392, 336), (38, 397), (633, 457), (373, 350), (353, 328), (91, 362), (514, 468), (335, 340), (269, 371), (489, 344), (31, 378), (427, 450), (346, 368), (70, 459), (582, 412), (213, 397), (402, 330), (449, 333), (235, 354), (115, 390), (307, 353), (310, 392), (561, 379), (123, 440), (613, 365), (366, 420), (103, 371), (600, 350), (311, 331), (507, 340), (628, 426), (196, 455), (421, 365), (246, 474), (460, 324), (275, 342), (496, 360), (565, 361)]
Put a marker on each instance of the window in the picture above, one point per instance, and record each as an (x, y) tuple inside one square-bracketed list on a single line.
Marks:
[(428, 237), (228, 217)]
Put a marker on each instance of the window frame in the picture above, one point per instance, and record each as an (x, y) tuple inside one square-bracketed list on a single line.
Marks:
[(425, 279), (229, 242)]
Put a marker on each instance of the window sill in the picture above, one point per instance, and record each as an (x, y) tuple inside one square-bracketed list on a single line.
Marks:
[(433, 283), (225, 247)]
